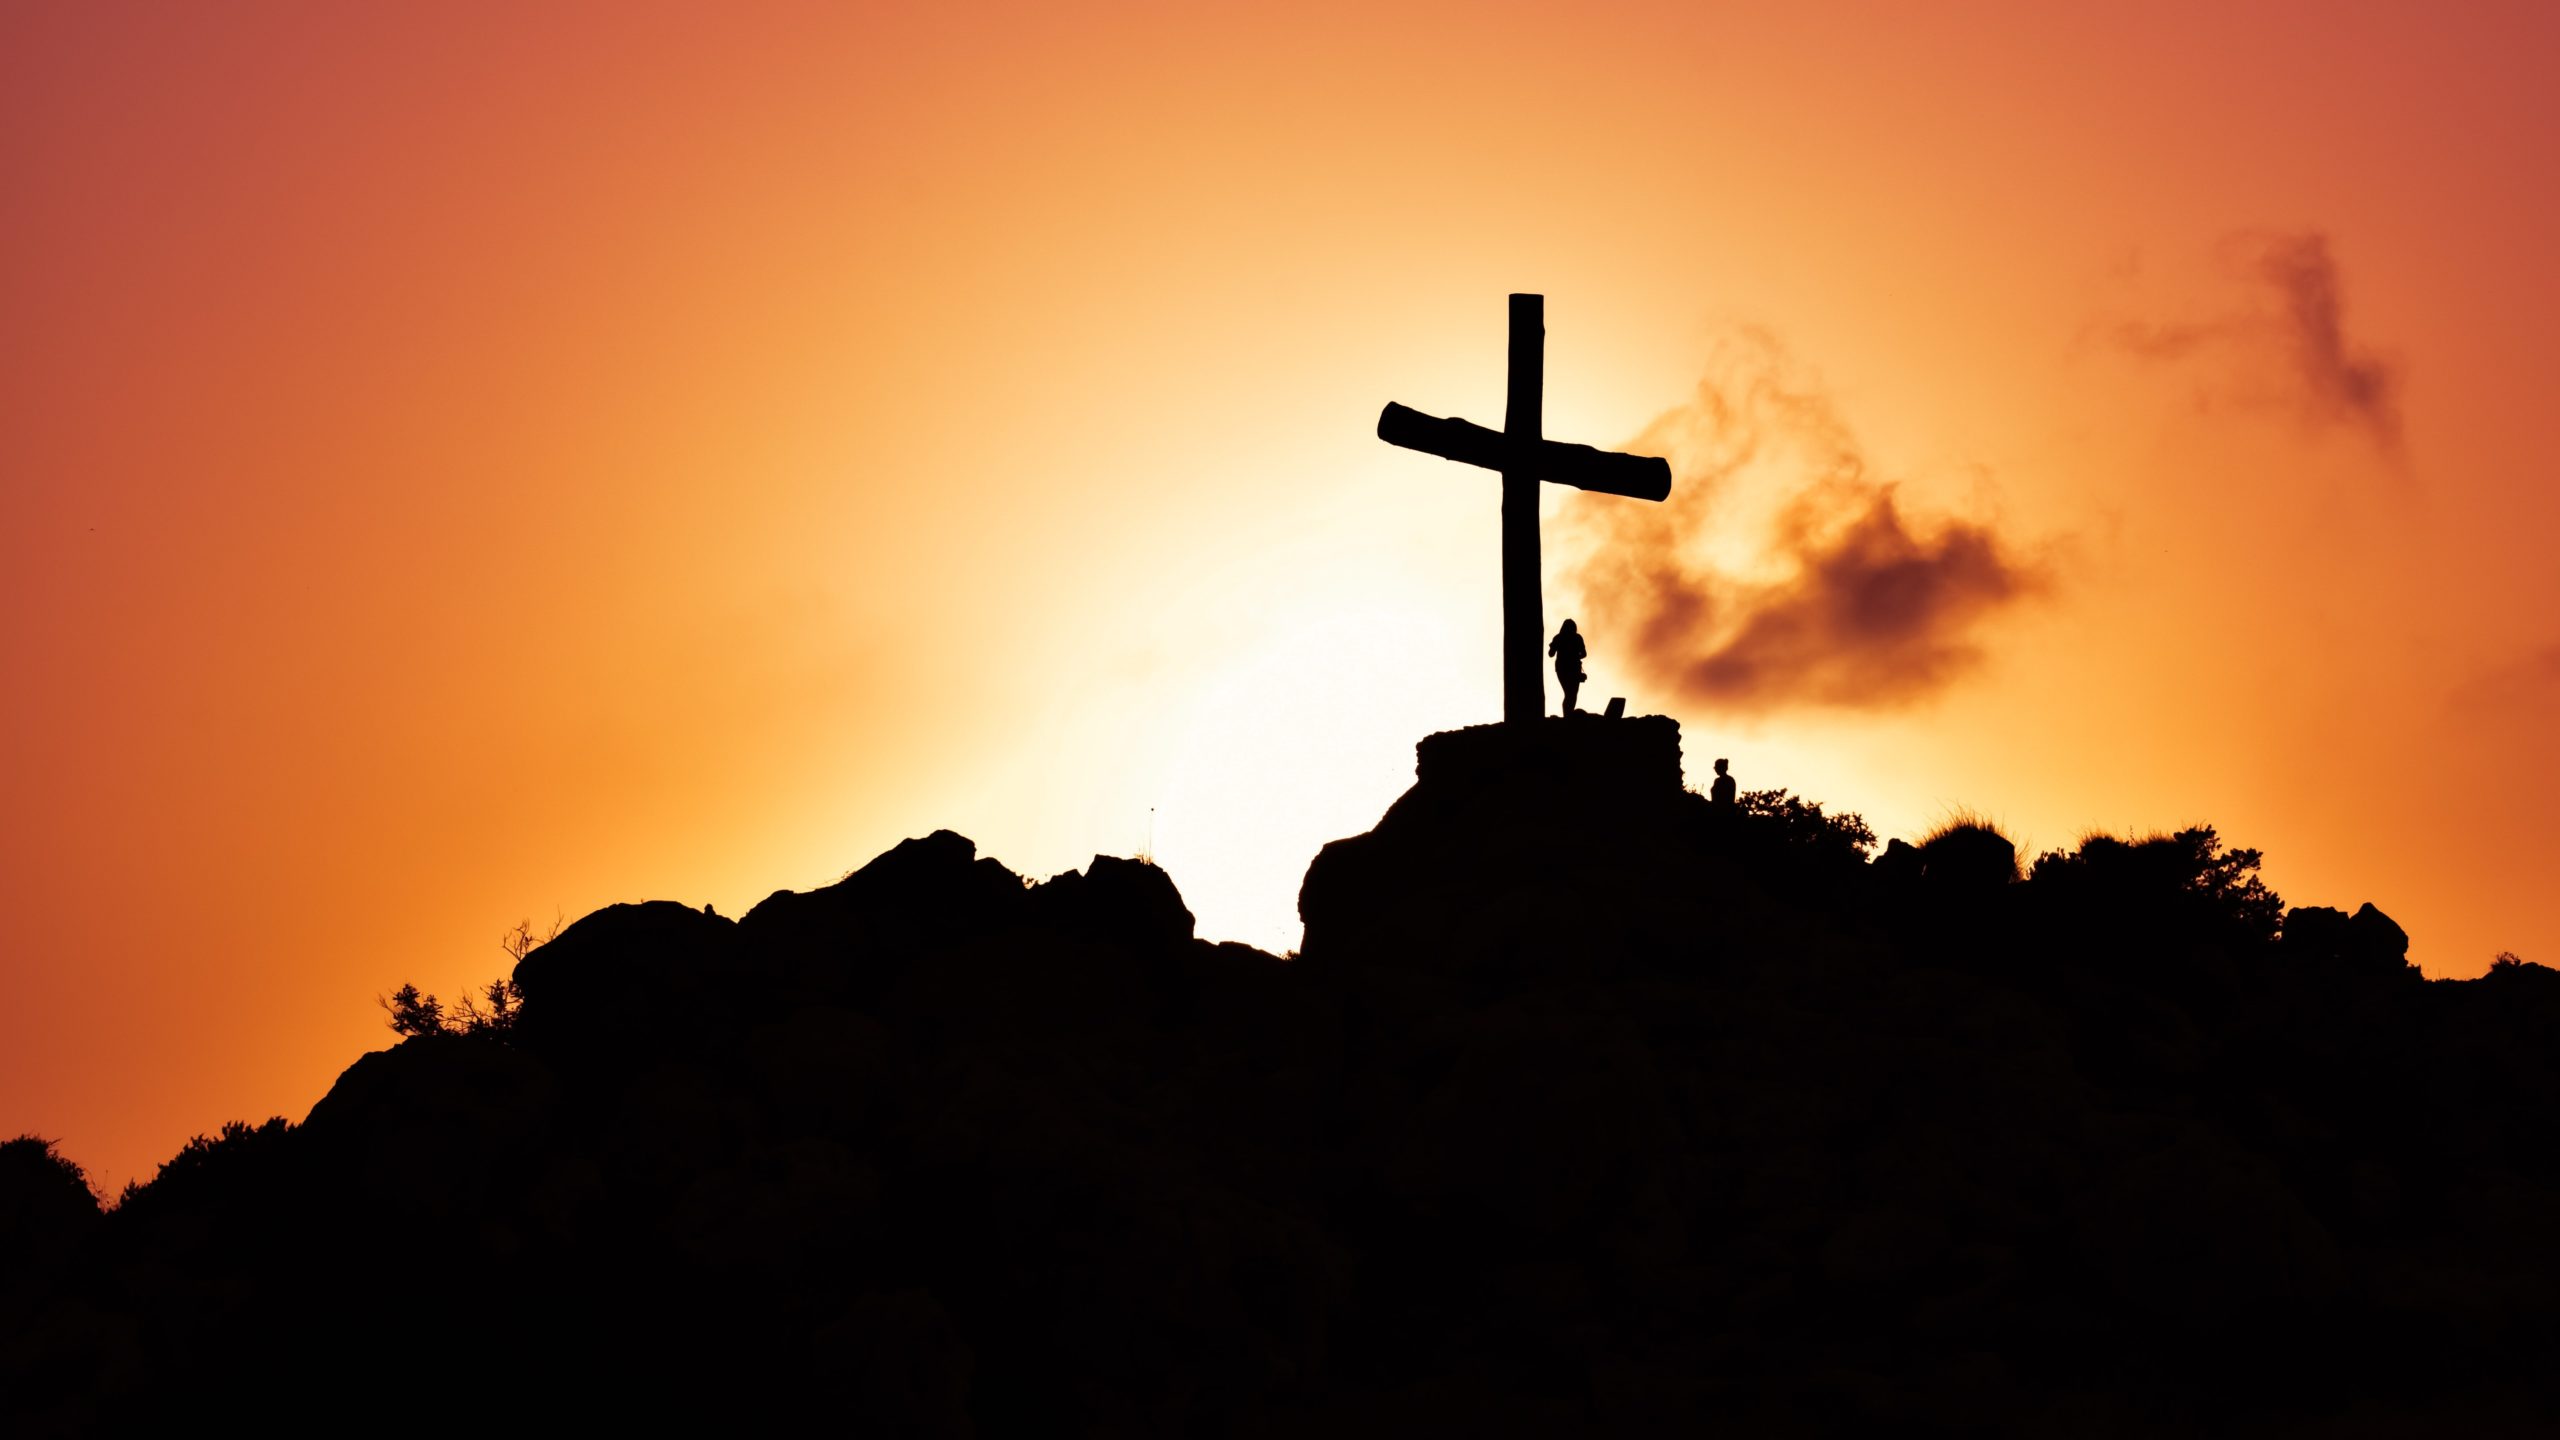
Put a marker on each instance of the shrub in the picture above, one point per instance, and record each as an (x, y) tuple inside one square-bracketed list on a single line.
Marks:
[(34, 1176), (1969, 851), (219, 1164), (414, 1013), (1798, 824), (2220, 887), (491, 1013)]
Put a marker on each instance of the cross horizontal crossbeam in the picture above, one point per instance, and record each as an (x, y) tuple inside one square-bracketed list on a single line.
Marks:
[(1639, 477), (1525, 457)]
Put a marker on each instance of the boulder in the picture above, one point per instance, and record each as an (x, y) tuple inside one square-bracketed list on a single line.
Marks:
[(2366, 943), (1520, 850), (1130, 903), (855, 936), (623, 969)]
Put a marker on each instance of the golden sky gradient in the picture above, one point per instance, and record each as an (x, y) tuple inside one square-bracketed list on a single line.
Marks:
[(474, 462)]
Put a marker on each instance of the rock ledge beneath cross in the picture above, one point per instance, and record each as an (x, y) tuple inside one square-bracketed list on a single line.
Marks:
[(1597, 759), (1520, 851)]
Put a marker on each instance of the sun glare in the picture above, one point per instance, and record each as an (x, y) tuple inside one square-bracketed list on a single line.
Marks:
[(1305, 739)]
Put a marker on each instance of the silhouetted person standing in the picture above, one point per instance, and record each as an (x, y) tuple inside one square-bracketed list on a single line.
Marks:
[(1568, 650), (1723, 793)]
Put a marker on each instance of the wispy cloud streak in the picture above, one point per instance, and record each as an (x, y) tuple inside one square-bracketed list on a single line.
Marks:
[(2290, 325)]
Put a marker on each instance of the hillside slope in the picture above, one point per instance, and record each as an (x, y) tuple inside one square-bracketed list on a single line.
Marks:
[(1588, 1106)]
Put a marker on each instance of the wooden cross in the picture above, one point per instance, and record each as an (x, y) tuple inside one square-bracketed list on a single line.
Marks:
[(1525, 458)]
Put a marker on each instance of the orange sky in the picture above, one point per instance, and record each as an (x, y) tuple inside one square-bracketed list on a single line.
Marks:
[(466, 463)]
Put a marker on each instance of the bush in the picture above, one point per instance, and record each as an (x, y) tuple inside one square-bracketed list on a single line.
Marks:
[(2190, 869), (1797, 824), (218, 1165), (1969, 852), (47, 1212), (36, 1177), (414, 1013), (490, 1014)]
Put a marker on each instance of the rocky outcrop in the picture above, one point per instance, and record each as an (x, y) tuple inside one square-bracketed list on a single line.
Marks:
[(1115, 902), (1519, 851), (606, 975), (2367, 943)]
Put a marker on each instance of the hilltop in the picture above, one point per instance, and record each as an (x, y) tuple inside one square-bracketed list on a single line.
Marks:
[(1586, 1106)]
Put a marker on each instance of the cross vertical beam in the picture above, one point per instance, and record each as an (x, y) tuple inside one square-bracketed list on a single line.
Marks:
[(1524, 621), (1523, 457)]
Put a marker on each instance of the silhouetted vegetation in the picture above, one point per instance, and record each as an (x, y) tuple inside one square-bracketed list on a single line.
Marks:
[(1588, 1108), (2188, 872), (1794, 823), (491, 1014), (35, 1174), (414, 1013), (1969, 853), (205, 1166), (488, 1015), (48, 1217)]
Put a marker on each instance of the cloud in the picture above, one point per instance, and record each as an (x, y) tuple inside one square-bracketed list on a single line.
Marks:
[(2289, 328), (1781, 573), (2529, 679)]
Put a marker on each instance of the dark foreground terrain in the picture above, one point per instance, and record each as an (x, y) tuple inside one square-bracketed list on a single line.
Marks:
[(1588, 1108)]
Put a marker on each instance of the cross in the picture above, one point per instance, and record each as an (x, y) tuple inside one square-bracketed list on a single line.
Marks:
[(1525, 458)]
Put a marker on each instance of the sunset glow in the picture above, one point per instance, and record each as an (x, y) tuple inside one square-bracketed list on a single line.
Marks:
[(466, 463)]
